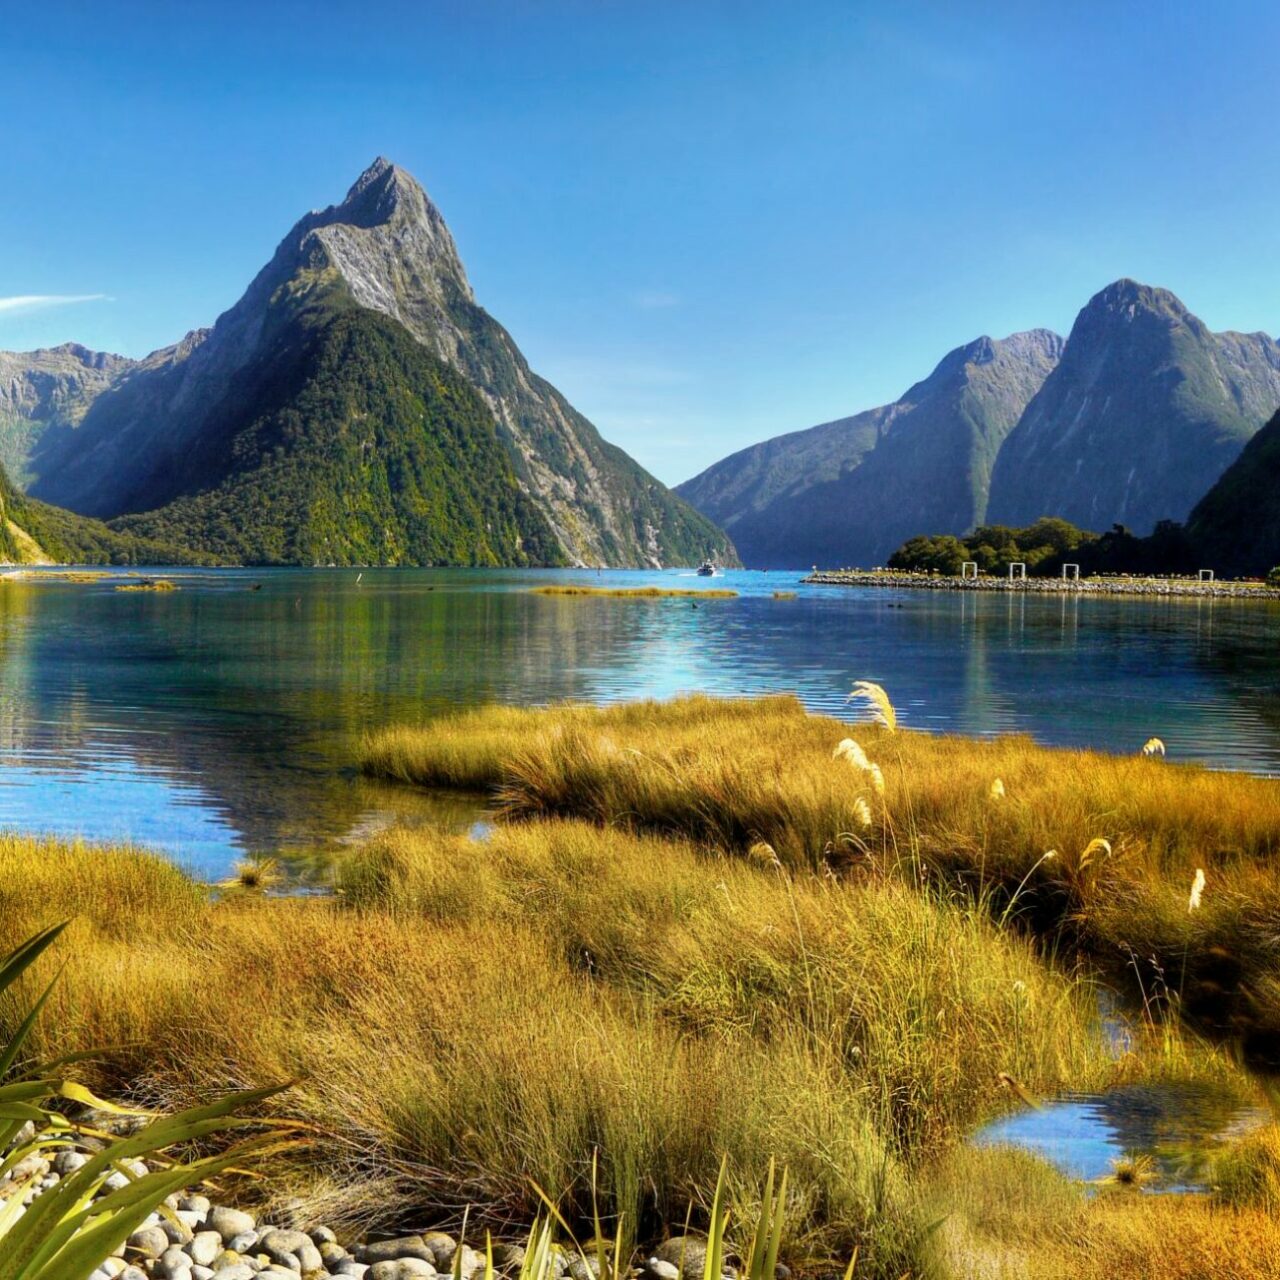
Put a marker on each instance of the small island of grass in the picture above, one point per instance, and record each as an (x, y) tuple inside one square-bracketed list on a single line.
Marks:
[(636, 593), (149, 584)]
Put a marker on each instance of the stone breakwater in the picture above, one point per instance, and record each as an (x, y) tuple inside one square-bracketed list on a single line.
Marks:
[(1046, 586), (194, 1239)]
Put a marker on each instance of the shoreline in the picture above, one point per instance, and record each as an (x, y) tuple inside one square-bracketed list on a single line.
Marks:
[(1044, 586)]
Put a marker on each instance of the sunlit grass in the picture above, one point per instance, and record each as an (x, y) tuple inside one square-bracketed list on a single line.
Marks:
[(1005, 1214), (1100, 851), (466, 1016)]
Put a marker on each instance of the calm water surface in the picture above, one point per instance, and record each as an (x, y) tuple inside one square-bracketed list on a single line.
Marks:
[(1178, 1127), (220, 720)]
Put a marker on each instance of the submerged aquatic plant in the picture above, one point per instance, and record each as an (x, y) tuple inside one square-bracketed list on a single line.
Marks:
[(255, 875), (1133, 1169)]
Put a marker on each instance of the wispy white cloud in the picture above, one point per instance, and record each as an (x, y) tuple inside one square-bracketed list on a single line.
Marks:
[(21, 302), (655, 299)]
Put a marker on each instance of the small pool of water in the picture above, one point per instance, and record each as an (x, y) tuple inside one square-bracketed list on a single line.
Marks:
[(1180, 1127)]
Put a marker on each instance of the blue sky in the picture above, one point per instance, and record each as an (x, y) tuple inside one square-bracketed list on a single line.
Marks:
[(707, 223)]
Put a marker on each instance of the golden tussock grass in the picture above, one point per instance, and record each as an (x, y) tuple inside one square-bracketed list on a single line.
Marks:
[(466, 1016), (1102, 851), (637, 593), (149, 584)]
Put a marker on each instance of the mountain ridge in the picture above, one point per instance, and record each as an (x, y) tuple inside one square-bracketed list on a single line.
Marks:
[(1144, 412), (1143, 409), (855, 488)]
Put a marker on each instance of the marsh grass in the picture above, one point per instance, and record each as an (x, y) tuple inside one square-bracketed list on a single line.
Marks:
[(469, 1018), (149, 584), (636, 593), (1090, 850)]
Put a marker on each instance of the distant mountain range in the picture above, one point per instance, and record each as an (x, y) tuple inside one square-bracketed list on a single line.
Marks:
[(1129, 421), (855, 489), (356, 406)]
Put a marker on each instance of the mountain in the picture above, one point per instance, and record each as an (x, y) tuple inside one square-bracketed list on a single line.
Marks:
[(52, 387), (1146, 409), (852, 491), (1235, 527), (347, 442), (253, 421)]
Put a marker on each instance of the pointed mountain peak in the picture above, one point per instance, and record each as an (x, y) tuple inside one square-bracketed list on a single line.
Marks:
[(1037, 346), (380, 167), (381, 192)]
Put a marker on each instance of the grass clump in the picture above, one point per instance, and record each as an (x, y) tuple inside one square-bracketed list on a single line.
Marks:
[(666, 1009), (1101, 852), (1003, 1213), (636, 593)]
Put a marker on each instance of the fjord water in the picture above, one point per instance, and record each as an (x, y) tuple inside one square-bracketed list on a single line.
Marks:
[(225, 718)]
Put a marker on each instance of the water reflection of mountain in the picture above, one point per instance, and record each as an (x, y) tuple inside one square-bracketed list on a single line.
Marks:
[(258, 699), (1240, 654)]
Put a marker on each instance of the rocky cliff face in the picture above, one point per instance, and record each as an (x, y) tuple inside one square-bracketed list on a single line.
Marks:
[(851, 491), (52, 387), (388, 249), (1144, 412)]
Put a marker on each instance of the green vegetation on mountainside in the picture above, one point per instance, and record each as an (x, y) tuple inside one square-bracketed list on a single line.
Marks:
[(354, 445), (33, 532)]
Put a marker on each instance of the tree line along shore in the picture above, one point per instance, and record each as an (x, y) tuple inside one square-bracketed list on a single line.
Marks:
[(1103, 586)]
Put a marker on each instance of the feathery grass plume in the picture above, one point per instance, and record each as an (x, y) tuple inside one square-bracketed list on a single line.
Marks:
[(848, 749), (877, 703), (763, 851), (997, 789), (877, 779), (1018, 1091), (1153, 747), (862, 813), (1096, 848), (1197, 889)]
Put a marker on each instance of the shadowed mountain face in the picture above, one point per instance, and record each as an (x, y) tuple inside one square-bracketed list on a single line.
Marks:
[(1144, 412), (1236, 526), (853, 490), (34, 533), (169, 428)]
